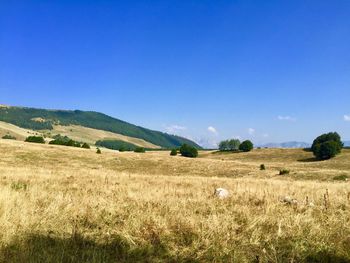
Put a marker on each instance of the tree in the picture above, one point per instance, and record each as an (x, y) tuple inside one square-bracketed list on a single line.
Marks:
[(98, 151), (173, 152), (229, 145), (35, 139), (140, 150), (85, 146), (233, 144), (246, 146), (327, 146), (188, 151), (223, 146)]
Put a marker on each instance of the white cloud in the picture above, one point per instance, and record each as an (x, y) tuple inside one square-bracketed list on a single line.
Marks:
[(212, 130), (265, 135), (174, 128), (285, 118), (237, 137), (207, 143), (251, 131), (346, 117)]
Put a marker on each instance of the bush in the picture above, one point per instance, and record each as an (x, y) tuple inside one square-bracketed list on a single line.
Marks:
[(188, 151), (284, 172), (35, 139), (342, 177), (139, 150), (8, 137), (173, 152), (98, 151), (85, 146), (327, 146), (19, 186), (262, 167), (246, 146)]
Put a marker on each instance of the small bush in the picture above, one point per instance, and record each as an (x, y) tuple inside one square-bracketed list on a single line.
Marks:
[(85, 146), (173, 152), (188, 151), (342, 177), (8, 137), (262, 167), (19, 186), (246, 146), (140, 150), (284, 172), (98, 151), (35, 139)]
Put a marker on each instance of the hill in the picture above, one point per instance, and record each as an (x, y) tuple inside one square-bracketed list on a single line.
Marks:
[(41, 119)]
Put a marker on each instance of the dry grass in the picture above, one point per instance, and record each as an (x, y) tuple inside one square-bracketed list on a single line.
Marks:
[(19, 133), (62, 204)]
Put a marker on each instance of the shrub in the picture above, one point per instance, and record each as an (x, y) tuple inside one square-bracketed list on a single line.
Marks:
[(173, 152), (85, 146), (284, 172), (262, 167), (246, 146), (35, 139), (342, 177), (19, 186), (188, 151), (8, 137), (98, 151), (139, 150), (327, 146)]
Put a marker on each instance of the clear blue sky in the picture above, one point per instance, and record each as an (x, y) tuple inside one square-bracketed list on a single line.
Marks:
[(269, 71)]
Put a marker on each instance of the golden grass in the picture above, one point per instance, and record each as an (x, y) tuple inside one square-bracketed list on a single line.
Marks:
[(63, 204), (19, 133)]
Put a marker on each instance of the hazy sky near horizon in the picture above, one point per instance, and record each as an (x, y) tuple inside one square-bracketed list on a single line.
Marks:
[(270, 71)]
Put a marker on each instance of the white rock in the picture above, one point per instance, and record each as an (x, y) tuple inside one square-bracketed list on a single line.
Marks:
[(221, 193)]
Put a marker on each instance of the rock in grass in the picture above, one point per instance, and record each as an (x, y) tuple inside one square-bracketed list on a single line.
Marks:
[(288, 200), (221, 193)]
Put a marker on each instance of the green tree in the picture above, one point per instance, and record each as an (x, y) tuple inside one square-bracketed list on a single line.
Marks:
[(229, 145), (188, 151), (140, 150), (173, 152), (85, 146), (246, 146), (327, 146), (233, 144), (35, 139), (223, 146)]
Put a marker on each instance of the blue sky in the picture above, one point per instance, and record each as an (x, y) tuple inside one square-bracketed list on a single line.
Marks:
[(269, 71)]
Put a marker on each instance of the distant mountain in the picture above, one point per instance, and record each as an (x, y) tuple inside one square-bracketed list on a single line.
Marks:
[(41, 119), (346, 143), (292, 144)]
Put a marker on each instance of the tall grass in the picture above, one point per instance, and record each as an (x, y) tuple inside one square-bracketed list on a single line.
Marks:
[(89, 211)]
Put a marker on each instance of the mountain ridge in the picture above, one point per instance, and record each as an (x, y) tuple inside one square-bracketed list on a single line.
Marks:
[(27, 117)]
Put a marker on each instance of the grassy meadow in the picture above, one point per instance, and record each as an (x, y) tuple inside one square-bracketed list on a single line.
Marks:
[(64, 204)]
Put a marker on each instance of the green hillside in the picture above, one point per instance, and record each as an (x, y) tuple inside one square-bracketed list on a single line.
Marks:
[(40, 119)]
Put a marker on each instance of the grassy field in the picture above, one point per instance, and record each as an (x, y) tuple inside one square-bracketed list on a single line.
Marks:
[(64, 204)]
